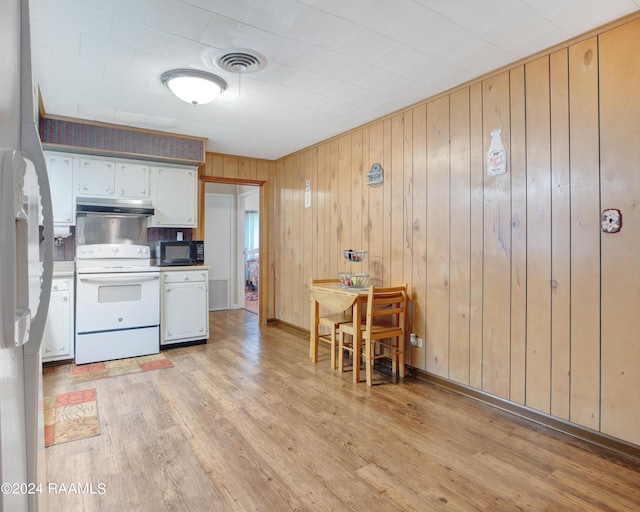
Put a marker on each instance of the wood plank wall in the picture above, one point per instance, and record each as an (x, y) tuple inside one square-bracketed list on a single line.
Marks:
[(506, 273), (620, 270)]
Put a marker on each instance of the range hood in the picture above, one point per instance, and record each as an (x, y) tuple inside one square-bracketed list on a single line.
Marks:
[(115, 206)]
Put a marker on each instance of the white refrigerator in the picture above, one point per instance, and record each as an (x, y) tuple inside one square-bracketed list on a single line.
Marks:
[(26, 264)]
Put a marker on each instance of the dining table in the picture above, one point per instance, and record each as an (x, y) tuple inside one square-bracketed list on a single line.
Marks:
[(336, 298)]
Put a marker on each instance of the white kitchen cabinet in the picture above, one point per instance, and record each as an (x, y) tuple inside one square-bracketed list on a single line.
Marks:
[(102, 177), (133, 180), (174, 192), (60, 171), (95, 177), (184, 306), (58, 337)]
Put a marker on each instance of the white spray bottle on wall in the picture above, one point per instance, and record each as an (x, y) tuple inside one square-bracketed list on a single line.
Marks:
[(497, 154)]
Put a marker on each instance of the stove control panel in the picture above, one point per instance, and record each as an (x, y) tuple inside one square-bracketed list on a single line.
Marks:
[(108, 251)]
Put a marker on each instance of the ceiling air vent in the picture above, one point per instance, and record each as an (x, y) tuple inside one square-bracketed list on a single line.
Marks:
[(240, 61)]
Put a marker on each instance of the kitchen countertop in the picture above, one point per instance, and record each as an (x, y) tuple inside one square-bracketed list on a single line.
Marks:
[(63, 268), (67, 268), (184, 267)]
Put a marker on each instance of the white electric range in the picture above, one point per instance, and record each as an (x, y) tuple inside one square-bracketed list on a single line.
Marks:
[(117, 302)]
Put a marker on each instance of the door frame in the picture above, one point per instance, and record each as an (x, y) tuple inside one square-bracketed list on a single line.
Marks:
[(264, 287)]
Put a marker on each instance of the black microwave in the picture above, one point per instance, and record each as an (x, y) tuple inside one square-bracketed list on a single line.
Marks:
[(179, 252)]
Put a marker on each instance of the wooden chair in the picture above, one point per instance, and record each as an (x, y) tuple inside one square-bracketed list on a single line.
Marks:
[(332, 322), (383, 334)]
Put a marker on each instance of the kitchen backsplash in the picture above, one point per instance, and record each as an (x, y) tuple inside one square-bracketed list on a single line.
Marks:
[(157, 234), (66, 250)]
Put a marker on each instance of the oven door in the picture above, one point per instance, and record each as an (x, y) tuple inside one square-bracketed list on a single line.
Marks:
[(108, 302)]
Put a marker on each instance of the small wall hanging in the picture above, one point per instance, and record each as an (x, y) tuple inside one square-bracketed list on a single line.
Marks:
[(497, 155), (307, 194), (374, 176), (611, 220)]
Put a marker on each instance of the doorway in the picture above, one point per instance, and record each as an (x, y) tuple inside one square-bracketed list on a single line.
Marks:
[(232, 245), (249, 236)]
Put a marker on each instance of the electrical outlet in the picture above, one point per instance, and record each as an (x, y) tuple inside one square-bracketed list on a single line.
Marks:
[(419, 342)]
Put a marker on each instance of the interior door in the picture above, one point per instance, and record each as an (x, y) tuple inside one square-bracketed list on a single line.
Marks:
[(219, 239)]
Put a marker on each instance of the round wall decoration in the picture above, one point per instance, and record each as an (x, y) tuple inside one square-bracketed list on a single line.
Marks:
[(611, 220)]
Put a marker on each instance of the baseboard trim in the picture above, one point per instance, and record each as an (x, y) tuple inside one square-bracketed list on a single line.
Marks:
[(611, 444), (289, 326)]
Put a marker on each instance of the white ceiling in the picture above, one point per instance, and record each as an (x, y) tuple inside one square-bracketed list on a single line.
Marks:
[(332, 65)]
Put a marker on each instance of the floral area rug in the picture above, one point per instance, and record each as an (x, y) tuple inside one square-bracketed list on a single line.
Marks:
[(93, 371), (70, 416)]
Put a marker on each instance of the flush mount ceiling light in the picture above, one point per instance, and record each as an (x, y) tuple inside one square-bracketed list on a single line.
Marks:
[(193, 85)]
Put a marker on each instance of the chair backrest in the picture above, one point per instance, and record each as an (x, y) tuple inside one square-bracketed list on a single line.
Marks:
[(313, 281), (387, 302)]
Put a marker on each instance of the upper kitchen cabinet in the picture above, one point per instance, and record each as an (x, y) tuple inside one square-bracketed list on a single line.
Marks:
[(133, 180), (174, 194), (99, 177), (95, 177), (173, 189), (60, 170)]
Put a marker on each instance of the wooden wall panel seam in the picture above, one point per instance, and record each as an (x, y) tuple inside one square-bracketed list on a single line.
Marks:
[(518, 169)]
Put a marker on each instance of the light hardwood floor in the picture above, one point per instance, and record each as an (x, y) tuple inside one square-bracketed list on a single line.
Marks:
[(248, 423)]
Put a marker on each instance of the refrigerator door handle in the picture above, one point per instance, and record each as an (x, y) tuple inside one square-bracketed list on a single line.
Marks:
[(33, 151), (21, 325), (15, 315)]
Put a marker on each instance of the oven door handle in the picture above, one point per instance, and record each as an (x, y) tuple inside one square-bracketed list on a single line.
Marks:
[(108, 280)]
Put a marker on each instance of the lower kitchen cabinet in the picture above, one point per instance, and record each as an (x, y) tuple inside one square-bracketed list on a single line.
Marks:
[(57, 340), (184, 306)]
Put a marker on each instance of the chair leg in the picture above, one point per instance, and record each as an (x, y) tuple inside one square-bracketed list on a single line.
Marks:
[(368, 351), (394, 359), (333, 348), (341, 352), (355, 358)]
